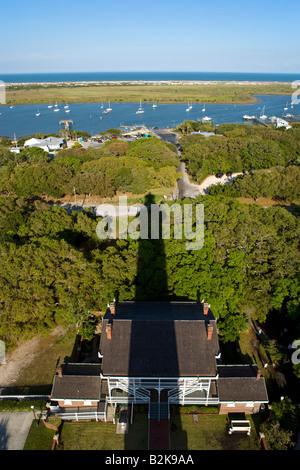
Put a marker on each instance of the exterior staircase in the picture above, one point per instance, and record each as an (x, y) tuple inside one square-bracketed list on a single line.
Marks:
[(158, 410)]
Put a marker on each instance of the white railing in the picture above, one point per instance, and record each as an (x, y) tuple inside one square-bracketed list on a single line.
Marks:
[(193, 401), (137, 400), (77, 415)]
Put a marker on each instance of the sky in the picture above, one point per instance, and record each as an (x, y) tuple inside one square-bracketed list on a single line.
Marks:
[(158, 35)]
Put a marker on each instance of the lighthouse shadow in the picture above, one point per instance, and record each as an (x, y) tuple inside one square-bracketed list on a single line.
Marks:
[(153, 350)]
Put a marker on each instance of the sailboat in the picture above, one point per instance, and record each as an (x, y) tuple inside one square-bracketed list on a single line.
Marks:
[(191, 106), (203, 109), (286, 107), (140, 110), (263, 116), (50, 106), (102, 106), (108, 110), (67, 110), (38, 112), (188, 108), (66, 106), (154, 105), (56, 107)]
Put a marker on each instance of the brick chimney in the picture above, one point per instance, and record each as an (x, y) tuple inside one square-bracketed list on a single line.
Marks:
[(210, 330), (206, 308), (112, 307), (258, 375), (59, 372), (108, 330)]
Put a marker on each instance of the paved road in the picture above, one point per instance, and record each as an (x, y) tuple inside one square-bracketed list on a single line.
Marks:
[(14, 428)]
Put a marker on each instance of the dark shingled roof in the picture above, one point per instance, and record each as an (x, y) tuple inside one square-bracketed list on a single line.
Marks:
[(159, 339), (240, 384), (78, 382), (74, 387)]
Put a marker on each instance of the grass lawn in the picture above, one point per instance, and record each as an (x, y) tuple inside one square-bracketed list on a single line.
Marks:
[(39, 438), (210, 433), (103, 436)]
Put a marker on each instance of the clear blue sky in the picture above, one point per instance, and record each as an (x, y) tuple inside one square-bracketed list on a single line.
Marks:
[(157, 35)]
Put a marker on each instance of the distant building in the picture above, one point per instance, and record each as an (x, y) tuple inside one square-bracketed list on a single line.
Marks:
[(158, 354), (282, 123), (48, 144)]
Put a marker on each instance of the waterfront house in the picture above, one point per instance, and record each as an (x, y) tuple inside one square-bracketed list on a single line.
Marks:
[(48, 144)]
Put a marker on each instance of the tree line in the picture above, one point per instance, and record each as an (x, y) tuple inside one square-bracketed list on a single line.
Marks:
[(238, 147), (116, 166), (56, 271)]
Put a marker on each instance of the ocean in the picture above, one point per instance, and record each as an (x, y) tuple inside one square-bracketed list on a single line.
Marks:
[(146, 76), (21, 120)]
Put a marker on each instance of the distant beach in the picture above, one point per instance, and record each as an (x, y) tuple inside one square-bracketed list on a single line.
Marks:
[(147, 77), (148, 82)]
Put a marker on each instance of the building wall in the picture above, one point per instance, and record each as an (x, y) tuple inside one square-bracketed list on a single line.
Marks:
[(237, 407), (76, 403)]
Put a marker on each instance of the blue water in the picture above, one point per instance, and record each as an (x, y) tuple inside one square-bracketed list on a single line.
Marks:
[(22, 121), (146, 76)]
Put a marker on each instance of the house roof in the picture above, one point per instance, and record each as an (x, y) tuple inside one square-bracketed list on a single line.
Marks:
[(73, 387), (240, 384), (78, 382), (159, 339)]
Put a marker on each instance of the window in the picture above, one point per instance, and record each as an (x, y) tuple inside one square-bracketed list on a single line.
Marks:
[(231, 404), (68, 402), (87, 402)]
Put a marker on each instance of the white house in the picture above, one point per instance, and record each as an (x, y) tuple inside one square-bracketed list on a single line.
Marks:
[(50, 143), (282, 123)]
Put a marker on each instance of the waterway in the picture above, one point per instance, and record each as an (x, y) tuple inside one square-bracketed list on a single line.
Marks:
[(21, 120)]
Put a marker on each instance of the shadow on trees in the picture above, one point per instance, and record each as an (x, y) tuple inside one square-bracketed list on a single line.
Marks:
[(152, 286)]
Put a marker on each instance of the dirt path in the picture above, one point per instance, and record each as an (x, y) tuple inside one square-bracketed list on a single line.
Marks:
[(19, 359)]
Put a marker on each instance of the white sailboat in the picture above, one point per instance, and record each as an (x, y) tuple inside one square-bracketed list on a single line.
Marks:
[(108, 110), (37, 112), (154, 105), (68, 110), (263, 116), (101, 106), (140, 110), (188, 108), (203, 109), (56, 107), (206, 118), (286, 107), (66, 106), (50, 106)]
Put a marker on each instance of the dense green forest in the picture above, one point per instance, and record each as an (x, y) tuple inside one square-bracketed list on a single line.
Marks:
[(56, 271), (237, 147), (117, 166)]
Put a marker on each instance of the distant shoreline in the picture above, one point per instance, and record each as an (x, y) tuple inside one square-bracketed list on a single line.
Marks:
[(149, 82), (164, 91)]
